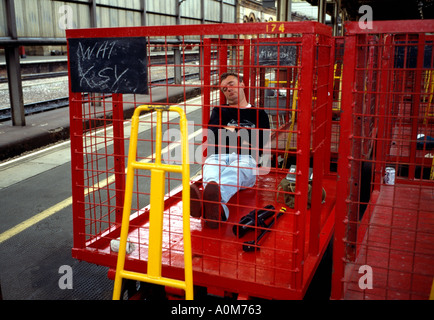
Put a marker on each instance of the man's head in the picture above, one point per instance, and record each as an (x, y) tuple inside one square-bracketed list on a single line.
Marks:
[(232, 86)]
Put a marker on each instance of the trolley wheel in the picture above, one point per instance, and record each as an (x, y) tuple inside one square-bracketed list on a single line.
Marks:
[(136, 290), (129, 289)]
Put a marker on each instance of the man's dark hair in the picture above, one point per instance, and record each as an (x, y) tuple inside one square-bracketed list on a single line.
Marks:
[(227, 74)]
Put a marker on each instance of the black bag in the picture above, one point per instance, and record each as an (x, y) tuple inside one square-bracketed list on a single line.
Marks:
[(253, 219)]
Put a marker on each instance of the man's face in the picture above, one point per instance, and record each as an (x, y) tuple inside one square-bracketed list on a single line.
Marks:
[(233, 90)]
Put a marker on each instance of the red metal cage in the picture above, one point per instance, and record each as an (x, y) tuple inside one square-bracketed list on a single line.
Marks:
[(286, 69), (384, 232)]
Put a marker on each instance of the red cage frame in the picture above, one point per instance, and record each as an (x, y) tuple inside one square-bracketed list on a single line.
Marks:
[(309, 230), (384, 109)]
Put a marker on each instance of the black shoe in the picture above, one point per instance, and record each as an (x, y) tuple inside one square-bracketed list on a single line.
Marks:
[(195, 202), (212, 209)]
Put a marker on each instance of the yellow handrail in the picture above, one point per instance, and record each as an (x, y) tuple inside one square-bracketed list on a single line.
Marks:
[(339, 77), (431, 295), (294, 107), (291, 127), (429, 89), (268, 81), (156, 207), (431, 176)]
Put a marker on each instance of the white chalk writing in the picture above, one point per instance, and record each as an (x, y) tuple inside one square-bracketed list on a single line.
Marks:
[(109, 65)]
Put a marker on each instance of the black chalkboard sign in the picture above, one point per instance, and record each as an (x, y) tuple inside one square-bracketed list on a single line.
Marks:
[(273, 54), (108, 65)]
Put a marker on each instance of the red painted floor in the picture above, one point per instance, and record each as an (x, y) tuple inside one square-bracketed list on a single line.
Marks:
[(218, 258), (398, 245)]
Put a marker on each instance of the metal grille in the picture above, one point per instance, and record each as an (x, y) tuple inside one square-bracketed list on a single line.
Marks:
[(384, 223), (286, 69)]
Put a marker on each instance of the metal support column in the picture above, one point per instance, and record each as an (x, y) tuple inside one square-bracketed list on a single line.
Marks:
[(202, 11), (177, 65), (284, 10), (178, 11), (143, 12), (176, 50), (15, 86), (321, 11), (14, 69), (335, 18), (92, 10), (221, 11)]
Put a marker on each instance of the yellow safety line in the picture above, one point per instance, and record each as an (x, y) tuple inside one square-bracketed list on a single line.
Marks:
[(35, 219)]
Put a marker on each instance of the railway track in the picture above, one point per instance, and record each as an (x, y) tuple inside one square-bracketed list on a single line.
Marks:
[(63, 102), (38, 76), (36, 107)]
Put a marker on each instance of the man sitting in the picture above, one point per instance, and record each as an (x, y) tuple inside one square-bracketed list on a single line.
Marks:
[(238, 143)]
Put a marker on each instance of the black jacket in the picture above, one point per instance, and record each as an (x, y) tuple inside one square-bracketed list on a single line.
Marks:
[(248, 124)]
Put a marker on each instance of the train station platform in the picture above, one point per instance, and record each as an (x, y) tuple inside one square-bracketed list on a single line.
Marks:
[(52, 126)]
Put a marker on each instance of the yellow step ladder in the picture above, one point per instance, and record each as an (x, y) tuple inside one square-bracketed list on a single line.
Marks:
[(429, 90), (156, 207)]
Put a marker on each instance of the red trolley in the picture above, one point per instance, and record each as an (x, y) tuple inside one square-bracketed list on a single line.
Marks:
[(286, 69), (384, 232)]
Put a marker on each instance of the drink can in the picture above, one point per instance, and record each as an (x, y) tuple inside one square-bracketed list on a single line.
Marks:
[(389, 176)]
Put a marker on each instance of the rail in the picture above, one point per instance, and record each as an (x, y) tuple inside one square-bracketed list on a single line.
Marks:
[(62, 102)]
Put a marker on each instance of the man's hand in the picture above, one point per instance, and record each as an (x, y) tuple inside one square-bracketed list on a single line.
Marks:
[(231, 129), (245, 143)]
